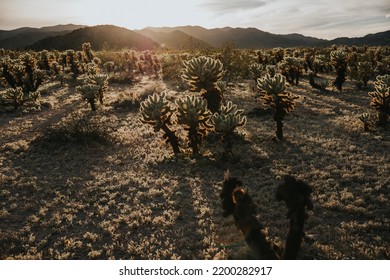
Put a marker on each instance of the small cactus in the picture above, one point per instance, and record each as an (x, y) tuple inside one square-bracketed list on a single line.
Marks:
[(320, 86), (156, 111), (193, 113), (226, 122), (275, 96), (202, 74), (365, 119), (15, 96), (89, 93), (381, 98), (228, 119), (271, 70), (109, 66), (102, 81), (255, 70)]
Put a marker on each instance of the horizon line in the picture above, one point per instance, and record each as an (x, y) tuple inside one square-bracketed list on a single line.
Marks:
[(188, 25)]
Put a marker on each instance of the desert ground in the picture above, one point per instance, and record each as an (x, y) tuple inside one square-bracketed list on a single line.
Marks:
[(78, 184)]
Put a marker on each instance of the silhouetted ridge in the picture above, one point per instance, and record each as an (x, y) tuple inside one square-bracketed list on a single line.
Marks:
[(99, 36)]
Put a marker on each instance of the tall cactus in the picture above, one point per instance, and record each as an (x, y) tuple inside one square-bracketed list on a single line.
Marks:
[(226, 122), (381, 98), (339, 60), (157, 112), (192, 112), (202, 74), (87, 51), (274, 94)]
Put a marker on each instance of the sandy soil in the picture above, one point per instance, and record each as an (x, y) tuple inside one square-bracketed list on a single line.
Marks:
[(118, 192)]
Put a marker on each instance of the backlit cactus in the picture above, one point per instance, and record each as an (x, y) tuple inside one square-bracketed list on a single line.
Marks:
[(365, 119), (339, 61), (22, 72), (274, 94), (88, 53), (226, 122), (70, 59), (102, 81), (14, 96), (255, 70), (202, 74), (228, 119), (156, 111), (291, 68), (320, 86), (192, 112), (381, 98), (90, 93)]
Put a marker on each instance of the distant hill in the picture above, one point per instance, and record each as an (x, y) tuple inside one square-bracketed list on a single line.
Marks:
[(377, 39), (100, 36), (181, 37), (22, 37), (174, 39), (243, 37)]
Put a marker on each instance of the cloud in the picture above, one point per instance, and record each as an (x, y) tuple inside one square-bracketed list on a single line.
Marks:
[(231, 6)]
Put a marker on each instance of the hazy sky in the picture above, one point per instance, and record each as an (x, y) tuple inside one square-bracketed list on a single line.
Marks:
[(320, 18)]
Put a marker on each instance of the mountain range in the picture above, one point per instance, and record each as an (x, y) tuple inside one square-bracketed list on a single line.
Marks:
[(22, 37), (62, 37)]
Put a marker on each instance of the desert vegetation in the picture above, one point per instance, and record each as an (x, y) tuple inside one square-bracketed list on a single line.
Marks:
[(121, 154)]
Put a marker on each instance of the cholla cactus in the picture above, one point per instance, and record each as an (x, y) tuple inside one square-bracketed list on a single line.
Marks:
[(193, 113), (226, 122), (45, 60), (157, 112), (222, 86), (109, 66), (255, 70), (228, 119), (381, 98), (71, 59), (22, 72), (365, 71), (15, 96), (87, 51), (202, 74), (365, 119), (102, 81), (339, 60), (321, 86), (89, 93), (291, 68), (271, 70), (320, 63), (275, 96), (91, 68)]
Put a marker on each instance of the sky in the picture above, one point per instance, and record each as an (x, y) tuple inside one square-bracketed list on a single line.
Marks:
[(325, 19)]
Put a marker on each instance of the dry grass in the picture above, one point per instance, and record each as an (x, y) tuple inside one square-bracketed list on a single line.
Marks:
[(129, 198)]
